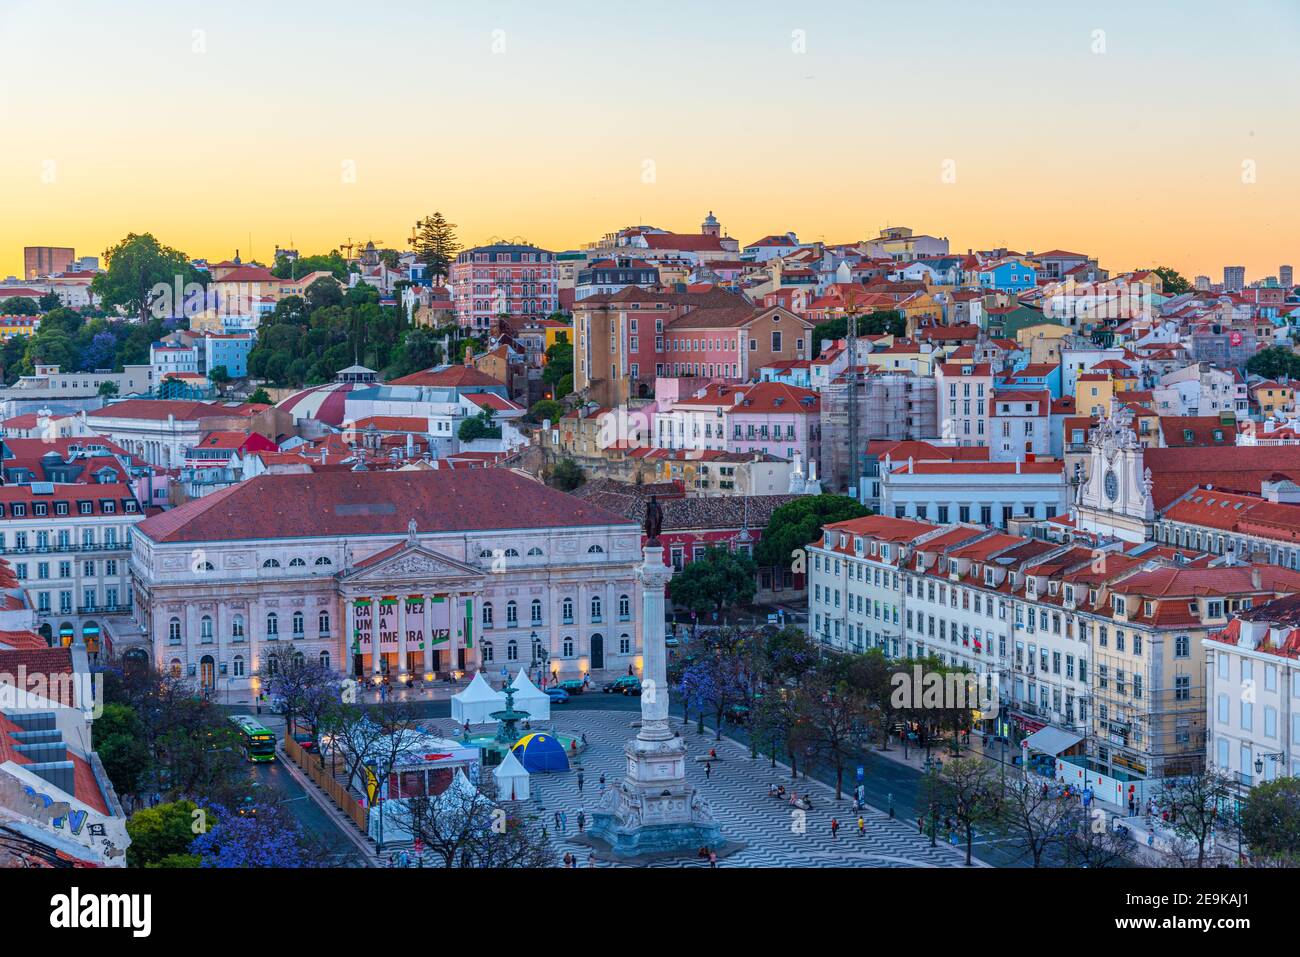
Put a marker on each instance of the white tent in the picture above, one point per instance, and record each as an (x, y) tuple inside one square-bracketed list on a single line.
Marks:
[(512, 779), (476, 702), (530, 698)]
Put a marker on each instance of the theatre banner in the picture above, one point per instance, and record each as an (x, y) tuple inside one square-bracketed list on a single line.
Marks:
[(428, 622)]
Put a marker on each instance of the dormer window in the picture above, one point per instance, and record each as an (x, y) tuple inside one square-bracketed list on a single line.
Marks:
[(1117, 603), (1051, 588), (1148, 608)]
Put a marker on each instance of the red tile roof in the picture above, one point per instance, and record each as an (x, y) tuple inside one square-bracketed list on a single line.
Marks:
[(372, 503), (458, 376)]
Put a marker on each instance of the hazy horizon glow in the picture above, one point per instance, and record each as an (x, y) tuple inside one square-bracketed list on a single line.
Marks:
[(515, 119)]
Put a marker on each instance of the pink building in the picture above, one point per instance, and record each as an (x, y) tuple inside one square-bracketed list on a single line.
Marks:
[(504, 279), (776, 418)]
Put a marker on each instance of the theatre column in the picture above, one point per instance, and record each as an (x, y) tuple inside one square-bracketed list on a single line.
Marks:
[(376, 656), (401, 634)]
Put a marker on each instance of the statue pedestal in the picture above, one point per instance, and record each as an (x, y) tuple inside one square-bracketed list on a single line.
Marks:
[(653, 810)]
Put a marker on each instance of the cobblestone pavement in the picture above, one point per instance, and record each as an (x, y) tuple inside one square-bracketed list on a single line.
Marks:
[(737, 789)]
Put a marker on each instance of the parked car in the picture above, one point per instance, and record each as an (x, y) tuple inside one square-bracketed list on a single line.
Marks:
[(572, 685), (557, 695), (671, 641), (625, 685)]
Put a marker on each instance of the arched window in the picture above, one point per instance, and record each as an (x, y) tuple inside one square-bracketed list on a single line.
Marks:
[(595, 550), (272, 625), (176, 667), (237, 628), (512, 614), (566, 611), (271, 563), (595, 608), (205, 567), (487, 650), (272, 665), (512, 553), (205, 628), (535, 552), (487, 614), (297, 624), (297, 563), (567, 647), (325, 660), (323, 624), (174, 630), (323, 561), (624, 607), (485, 553), (624, 644), (238, 666), (512, 650), (298, 660), (537, 611)]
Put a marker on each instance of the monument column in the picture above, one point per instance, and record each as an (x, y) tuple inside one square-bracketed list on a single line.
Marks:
[(654, 810), (654, 664)]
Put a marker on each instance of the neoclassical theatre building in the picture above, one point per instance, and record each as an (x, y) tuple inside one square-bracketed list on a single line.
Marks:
[(393, 573)]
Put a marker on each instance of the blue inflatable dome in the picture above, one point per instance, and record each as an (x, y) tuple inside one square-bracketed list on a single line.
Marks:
[(541, 752)]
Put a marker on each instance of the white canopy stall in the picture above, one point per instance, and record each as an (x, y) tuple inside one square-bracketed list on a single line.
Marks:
[(530, 698), (476, 702), (512, 779)]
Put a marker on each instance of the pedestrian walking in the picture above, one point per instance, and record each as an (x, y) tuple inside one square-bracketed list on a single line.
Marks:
[(579, 781), (891, 804), (708, 770), (582, 821), (557, 820), (591, 859), (862, 827), (835, 827), (713, 858), (920, 826), (602, 783)]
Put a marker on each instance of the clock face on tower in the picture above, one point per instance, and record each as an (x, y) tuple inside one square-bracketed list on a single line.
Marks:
[(1111, 485)]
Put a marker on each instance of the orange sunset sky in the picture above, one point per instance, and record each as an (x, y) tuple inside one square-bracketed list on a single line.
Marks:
[(1140, 132)]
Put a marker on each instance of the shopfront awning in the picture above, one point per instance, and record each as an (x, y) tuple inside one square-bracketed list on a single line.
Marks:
[(1051, 741)]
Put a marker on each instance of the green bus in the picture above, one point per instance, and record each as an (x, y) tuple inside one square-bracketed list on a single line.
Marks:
[(258, 742)]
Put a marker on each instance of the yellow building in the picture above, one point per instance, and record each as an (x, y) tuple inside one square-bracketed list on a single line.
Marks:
[(1094, 390), (1274, 398), (1042, 342)]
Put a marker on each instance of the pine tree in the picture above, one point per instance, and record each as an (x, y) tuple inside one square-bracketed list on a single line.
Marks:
[(436, 245)]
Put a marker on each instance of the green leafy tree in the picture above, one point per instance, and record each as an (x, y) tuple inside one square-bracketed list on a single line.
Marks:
[(48, 302), (322, 293), (220, 376), (332, 261), (436, 245), (108, 389), (19, 306), (478, 427), (567, 475), (138, 268), (1275, 362), (559, 364), (888, 322), (544, 409), (259, 397), (1173, 283), (161, 836), (717, 580), (420, 350), (796, 524), (1270, 821)]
